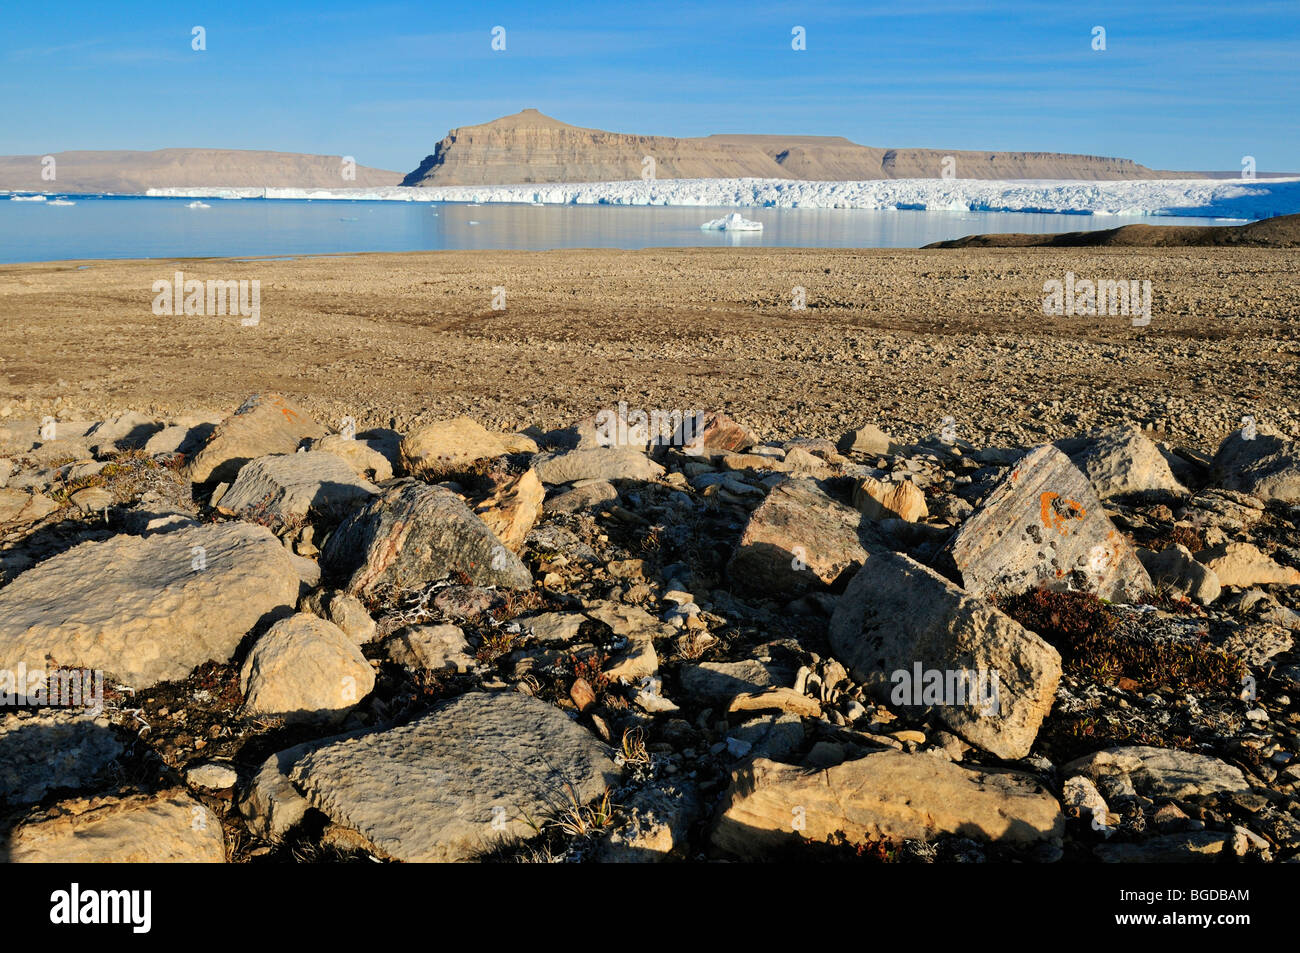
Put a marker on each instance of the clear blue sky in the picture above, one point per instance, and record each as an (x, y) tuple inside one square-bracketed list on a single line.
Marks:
[(1183, 84)]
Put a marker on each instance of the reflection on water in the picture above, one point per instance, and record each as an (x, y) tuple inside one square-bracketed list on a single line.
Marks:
[(169, 228)]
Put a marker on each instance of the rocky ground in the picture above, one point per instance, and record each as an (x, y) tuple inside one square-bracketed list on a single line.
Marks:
[(474, 627), (458, 643)]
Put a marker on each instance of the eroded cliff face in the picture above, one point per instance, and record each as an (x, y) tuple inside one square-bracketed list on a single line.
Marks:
[(530, 147)]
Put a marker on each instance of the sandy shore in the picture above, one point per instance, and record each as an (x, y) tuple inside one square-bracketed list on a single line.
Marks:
[(900, 337)]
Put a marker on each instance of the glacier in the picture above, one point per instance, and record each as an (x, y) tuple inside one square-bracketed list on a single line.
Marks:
[(1211, 198)]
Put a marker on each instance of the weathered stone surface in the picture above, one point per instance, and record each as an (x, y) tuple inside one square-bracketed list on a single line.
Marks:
[(292, 486), (41, 751), (147, 609), (413, 534), (713, 432), (305, 669), (868, 439), (1184, 848), (212, 776), (776, 699), (583, 496), (656, 822), (431, 790), (451, 444), (1176, 569), (1267, 466), (1122, 461), (1043, 525), (1157, 773), (897, 616), (20, 508), (1241, 565), (511, 511), (877, 500), (126, 432), (604, 463), (888, 795), (717, 682), (367, 462), (170, 827), (637, 658), (553, 626), (270, 803), (799, 538), (263, 425), (431, 648)]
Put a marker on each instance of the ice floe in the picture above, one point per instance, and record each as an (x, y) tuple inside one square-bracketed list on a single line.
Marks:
[(733, 223)]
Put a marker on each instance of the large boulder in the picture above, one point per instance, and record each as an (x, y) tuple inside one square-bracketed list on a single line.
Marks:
[(799, 538), (602, 463), (1043, 525), (458, 780), (168, 827), (1122, 461), (450, 445), (913, 638), (414, 534), (264, 424), (305, 669), (889, 795), (292, 486), (1262, 463), (147, 608)]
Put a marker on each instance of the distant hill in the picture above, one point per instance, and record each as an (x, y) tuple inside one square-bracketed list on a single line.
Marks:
[(1280, 232), (530, 147), (134, 172)]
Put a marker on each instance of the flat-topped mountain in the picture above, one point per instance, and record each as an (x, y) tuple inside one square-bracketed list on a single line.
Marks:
[(132, 172), (531, 147)]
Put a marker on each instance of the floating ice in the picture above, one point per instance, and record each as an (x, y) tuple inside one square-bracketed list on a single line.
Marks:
[(1211, 198), (27, 198), (733, 223), (62, 202), (198, 205)]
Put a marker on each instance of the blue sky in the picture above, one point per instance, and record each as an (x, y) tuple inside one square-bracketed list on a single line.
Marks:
[(1181, 85)]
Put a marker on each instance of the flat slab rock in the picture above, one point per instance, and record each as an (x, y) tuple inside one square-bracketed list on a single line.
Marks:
[(1157, 772), (890, 795), (170, 827), (1044, 525), (601, 463), (263, 424), (414, 534), (432, 789), (797, 539), (150, 608), (898, 620), (292, 485)]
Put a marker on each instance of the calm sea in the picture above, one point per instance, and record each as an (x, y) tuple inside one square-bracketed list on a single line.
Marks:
[(115, 227)]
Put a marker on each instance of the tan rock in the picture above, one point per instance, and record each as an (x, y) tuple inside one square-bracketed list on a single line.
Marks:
[(1242, 565), (511, 511), (169, 827), (305, 669), (20, 508), (889, 795), (776, 699), (367, 462), (877, 500), (263, 425), (451, 444)]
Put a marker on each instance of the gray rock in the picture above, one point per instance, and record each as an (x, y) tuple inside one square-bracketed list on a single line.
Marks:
[(898, 621), (147, 609), (452, 783), (583, 496), (414, 534), (1157, 773), (432, 648), (293, 485), (606, 463), (1177, 570), (719, 682), (1183, 848), (264, 424), (1122, 461), (1267, 466), (41, 751), (1043, 525), (304, 669), (656, 821)]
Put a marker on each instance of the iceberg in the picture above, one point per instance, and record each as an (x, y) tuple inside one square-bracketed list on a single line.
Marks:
[(27, 198), (1249, 199), (62, 202), (733, 223), (198, 205)]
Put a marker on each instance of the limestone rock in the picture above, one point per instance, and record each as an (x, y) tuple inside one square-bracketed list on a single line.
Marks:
[(583, 496), (1122, 461), (292, 486), (431, 648), (1157, 773), (868, 439), (877, 500), (1266, 466), (1242, 565), (713, 432), (414, 534), (263, 425), (799, 538), (889, 795), (1183, 848), (169, 827), (365, 461), (1043, 525), (20, 508), (452, 783), (898, 620), (151, 608), (41, 751), (605, 463), (453, 444), (511, 511), (1176, 569), (129, 431), (305, 669), (717, 682), (656, 822)]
